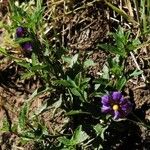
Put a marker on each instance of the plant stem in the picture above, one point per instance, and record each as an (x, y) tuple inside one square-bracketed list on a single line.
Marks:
[(140, 122), (144, 16), (137, 10)]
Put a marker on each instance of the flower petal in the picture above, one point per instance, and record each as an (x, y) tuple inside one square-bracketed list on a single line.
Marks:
[(116, 96), (27, 46), (117, 115), (106, 109), (126, 108), (123, 101), (106, 100), (20, 31), (116, 99)]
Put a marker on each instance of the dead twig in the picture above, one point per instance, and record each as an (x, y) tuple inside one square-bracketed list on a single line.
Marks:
[(137, 65), (140, 87)]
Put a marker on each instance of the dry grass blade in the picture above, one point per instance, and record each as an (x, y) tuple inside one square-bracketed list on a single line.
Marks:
[(130, 9), (137, 65), (122, 13)]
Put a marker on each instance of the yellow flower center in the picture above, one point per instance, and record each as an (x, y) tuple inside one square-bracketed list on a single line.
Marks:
[(115, 107)]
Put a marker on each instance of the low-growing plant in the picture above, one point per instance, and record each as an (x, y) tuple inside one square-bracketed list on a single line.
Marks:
[(90, 104)]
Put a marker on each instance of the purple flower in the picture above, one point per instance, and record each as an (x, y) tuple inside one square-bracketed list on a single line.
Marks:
[(20, 32), (116, 105), (27, 46)]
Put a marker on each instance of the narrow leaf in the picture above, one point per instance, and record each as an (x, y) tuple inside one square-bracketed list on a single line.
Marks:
[(121, 83), (23, 116)]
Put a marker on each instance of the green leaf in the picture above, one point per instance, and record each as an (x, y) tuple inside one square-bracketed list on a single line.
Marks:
[(3, 51), (65, 83), (70, 61), (58, 103), (85, 80), (74, 60), (85, 95), (27, 75), (40, 109), (88, 63), (37, 92), (66, 59), (101, 81), (23, 116), (79, 136), (24, 64), (38, 67), (121, 83), (136, 73), (6, 125), (113, 49), (46, 106), (72, 82), (121, 37), (133, 45), (22, 40), (117, 70), (76, 112), (105, 72), (81, 82), (69, 148), (85, 83), (64, 140), (35, 60), (100, 130), (75, 92), (97, 94), (136, 42), (77, 79)]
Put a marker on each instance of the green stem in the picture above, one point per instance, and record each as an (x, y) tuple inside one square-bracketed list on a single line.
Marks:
[(148, 8), (137, 11), (121, 12), (140, 122), (144, 16)]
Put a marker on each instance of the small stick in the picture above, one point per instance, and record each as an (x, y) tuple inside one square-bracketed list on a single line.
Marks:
[(137, 65), (139, 87), (121, 8)]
